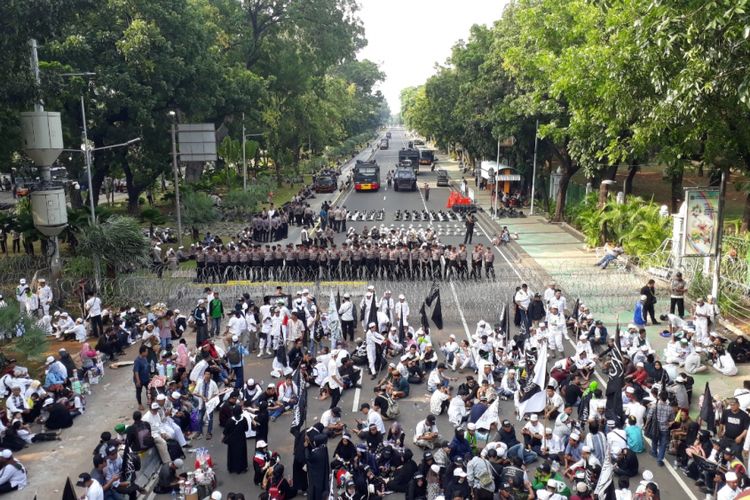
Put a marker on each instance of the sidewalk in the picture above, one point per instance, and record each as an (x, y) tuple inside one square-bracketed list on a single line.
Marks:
[(559, 255)]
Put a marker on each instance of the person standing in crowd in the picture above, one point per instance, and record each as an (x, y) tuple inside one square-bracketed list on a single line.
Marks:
[(216, 312), (678, 287), (649, 290), (141, 375), (93, 309)]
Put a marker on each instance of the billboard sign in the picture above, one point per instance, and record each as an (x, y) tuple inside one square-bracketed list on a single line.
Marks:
[(701, 222), (197, 141)]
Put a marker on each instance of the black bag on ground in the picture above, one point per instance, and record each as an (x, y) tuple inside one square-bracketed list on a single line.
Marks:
[(174, 449)]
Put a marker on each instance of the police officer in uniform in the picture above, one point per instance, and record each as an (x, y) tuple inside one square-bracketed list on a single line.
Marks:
[(435, 254), (200, 266), (334, 260), (358, 256), (424, 261), (223, 264), (278, 261), (211, 265), (489, 262), (303, 262), (476, 262)]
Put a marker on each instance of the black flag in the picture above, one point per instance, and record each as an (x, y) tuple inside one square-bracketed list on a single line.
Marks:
[(373, 317), (505, 325), (437, 313), (300, 410), (616, 381), (576, 306), (338, 300), (69, 493), (434, 294), (423, 318), (707, 415)]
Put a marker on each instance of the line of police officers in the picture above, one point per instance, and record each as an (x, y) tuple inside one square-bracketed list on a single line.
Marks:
[(368, 260)]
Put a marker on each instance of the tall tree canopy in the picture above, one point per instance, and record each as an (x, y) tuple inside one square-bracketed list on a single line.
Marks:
[(287, 66), (611, 83)]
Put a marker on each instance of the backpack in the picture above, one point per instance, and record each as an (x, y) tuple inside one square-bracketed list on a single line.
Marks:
[(393, 410), (274, 493), (233, 356)]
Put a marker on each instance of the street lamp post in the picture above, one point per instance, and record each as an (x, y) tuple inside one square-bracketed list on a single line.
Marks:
[(497, 174), (244, 159), (533, 174), (176, 176)]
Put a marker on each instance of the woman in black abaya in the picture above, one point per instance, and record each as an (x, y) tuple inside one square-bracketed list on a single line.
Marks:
[(260, 422), (234, 437)]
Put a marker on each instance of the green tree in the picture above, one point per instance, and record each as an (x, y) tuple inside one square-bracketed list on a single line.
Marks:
[(198, 209), (119, 242)]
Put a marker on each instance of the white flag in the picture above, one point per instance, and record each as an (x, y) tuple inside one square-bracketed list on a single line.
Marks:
[(535, 401)]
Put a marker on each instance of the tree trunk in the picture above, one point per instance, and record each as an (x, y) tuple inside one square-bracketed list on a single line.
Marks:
[(746, 214), (564, 181), (134, 191), (611, 172), (97, 176), (193, 171), (603, 190), (675, 177), (628, 187)]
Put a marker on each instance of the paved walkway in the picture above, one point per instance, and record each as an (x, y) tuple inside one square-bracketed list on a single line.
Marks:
[(559, 254)]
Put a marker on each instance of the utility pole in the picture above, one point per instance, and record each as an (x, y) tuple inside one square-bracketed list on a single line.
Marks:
[(533, 175), (176, 176), (719, 236), (87, 156), (497, 175)]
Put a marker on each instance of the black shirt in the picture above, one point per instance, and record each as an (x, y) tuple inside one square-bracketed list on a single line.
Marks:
[(572, 394), (734, 423)]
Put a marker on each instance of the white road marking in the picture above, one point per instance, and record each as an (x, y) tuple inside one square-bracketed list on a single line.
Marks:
[(460, 311), (355, 403)]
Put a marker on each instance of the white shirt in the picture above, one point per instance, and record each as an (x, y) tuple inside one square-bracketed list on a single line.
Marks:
[(561, 303), (346, 311), (328, 419), (154, 420), (95, 491), (456, 411), (45, 294), (13, 475), (549, 294), (402, 312), (333, 374), (534, 428), (522, 299), (423, 428), (436, 402), (94, 306), (727, 493), (374, 417), (387, 305), (636, 410), (236, 325), (16, 404), (434, 379), (726, 365)]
